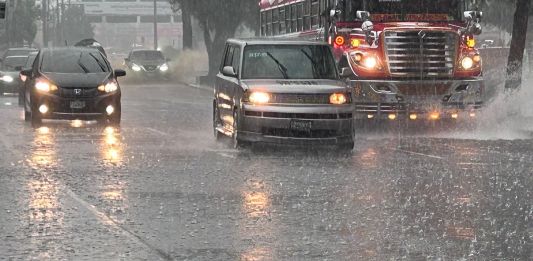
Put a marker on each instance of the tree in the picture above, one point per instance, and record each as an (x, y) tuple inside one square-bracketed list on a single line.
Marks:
[(518, 45), (219, 20), (76, 25), (23, 27), (184, 6)]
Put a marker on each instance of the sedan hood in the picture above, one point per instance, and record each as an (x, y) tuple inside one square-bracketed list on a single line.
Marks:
[(78, 80), (295, 86)]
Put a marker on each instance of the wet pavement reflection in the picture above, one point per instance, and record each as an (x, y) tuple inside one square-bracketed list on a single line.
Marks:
[(160, 187)]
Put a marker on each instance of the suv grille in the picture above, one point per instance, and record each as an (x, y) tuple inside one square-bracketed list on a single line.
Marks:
[(421, 54)]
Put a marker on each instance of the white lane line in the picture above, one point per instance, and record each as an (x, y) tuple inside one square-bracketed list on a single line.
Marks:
[(158, 132), (421, 154)]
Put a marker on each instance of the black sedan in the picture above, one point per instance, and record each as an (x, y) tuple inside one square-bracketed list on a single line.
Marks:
[(147, 64), (72, 83)]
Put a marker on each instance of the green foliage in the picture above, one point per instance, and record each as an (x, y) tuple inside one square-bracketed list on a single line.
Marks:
[(76, 25)]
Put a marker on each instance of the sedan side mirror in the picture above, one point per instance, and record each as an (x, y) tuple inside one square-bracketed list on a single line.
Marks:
[(120, 73), (28, 73), (229, 71)]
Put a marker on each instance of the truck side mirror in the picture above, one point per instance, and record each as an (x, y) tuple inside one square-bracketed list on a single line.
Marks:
[(473, 15), (346, 72), (363, 15), (473, 25)]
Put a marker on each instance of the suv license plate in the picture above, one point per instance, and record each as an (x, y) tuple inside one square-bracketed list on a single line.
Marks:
[(77, 104), (301, 125)]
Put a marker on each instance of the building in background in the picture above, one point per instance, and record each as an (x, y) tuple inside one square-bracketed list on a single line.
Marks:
[(122, 24), (9, 8)]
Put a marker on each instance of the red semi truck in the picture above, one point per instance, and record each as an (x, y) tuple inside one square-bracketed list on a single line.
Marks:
[(412, 59)]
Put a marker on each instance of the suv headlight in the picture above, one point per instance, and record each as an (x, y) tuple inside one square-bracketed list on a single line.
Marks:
[(44, 86), (259, 97), (163, 67), (136, 67), (109, 87), (338, 98)]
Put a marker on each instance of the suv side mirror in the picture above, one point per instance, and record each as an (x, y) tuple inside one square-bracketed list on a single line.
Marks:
[(229, 71), (120, 73), (346, 72), (28, 73)]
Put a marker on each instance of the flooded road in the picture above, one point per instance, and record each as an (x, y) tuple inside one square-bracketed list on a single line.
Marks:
[(161, 188)]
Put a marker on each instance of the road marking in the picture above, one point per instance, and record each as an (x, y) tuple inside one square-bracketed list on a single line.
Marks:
[(158, 132), (421, 154)]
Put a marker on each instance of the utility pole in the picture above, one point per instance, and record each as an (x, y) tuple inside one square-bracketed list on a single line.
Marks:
[(44, 17), (155, 25)]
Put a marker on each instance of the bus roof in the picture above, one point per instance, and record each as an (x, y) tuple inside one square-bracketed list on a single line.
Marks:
[(267, 4)]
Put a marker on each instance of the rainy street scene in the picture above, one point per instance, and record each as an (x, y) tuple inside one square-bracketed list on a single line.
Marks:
[(258, 130)]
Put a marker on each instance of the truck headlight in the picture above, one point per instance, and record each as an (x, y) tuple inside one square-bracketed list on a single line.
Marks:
[(136, 67), (367, 61), (43, 86), (338, 98), (467, 63), (7, 78), (259, 97), (163, 67), (108, 87)]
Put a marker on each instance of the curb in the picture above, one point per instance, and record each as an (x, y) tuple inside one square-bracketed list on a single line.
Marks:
[(197, 86)]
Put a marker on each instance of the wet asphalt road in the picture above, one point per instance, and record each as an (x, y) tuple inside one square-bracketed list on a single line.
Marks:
[(161, 188)]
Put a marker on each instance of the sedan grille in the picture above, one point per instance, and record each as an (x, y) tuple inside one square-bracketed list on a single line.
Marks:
[(421, 54), (73, 92), (150, 68)]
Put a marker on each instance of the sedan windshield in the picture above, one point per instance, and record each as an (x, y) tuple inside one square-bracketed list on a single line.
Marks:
[(147, 55), (74, 61), (288, 62), (12, 62)]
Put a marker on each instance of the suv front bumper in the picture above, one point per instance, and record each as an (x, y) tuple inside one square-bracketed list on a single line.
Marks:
[(324, 124)]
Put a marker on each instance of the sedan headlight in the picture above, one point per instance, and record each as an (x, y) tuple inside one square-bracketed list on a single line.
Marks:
[(136, 67), (108, 87), (7, 78), (338, 98), (44, 86), (163, 67), (259, 97)]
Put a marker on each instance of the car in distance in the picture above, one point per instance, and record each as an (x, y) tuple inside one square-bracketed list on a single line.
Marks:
[(21, 51), (9, 73), (147, 63), (22, 85), (281, 91), (72, 83)]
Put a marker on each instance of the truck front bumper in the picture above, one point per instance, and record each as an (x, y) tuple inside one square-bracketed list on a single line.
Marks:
[(375, 99)]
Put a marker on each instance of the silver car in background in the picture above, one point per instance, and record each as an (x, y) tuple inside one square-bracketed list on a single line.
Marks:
[(281, 91)]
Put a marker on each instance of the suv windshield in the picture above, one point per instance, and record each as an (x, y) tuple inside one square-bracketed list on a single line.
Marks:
[(74, 61), (288, 62), (147, 55), (11, 62)]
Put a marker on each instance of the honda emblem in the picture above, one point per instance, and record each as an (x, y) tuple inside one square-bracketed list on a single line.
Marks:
[(77, 91)]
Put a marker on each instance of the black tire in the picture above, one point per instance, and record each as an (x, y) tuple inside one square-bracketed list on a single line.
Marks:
[(27, 116), (36, 120), (216, 121), (236, 142)]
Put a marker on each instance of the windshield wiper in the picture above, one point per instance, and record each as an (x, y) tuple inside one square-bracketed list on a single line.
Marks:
[(81, 64), (102, 67), (281, 67), (315, 68)]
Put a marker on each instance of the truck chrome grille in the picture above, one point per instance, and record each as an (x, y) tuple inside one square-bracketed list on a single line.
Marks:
[(421, 54)]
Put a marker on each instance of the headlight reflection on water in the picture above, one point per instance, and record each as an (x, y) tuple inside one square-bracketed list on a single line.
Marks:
[(112, 147)]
